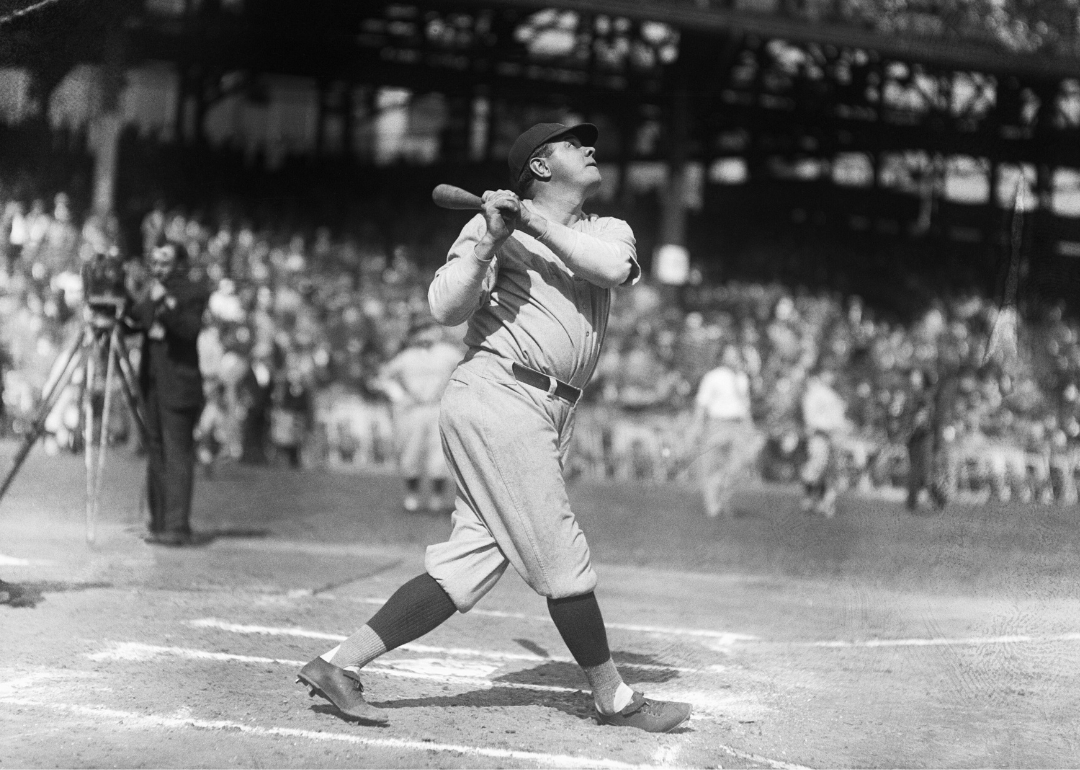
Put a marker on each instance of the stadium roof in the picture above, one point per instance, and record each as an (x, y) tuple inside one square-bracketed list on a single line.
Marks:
[(1029, 38), (1039, 39)]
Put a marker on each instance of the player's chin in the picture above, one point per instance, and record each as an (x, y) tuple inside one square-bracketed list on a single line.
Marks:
[(592, 184)]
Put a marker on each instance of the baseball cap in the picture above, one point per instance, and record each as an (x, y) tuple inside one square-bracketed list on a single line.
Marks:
[(540, 134)]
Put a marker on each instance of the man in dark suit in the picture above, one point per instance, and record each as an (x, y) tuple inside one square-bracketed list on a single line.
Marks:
[(170, 313)]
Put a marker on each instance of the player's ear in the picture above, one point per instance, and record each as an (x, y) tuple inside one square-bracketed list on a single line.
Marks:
[(540, 168)]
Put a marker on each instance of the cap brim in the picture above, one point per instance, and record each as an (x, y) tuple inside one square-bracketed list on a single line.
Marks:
[(586, 132)]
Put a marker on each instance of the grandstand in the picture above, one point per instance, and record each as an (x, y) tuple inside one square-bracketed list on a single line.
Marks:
[(875, 166)]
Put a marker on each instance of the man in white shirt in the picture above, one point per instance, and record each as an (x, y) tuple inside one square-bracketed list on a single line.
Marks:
[(824, 417), (724, 427)]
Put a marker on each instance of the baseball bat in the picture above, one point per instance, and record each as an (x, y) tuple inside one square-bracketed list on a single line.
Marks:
[(447, 196)]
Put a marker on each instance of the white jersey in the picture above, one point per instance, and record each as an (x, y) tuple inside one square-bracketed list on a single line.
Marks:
[(724, 394), (823, 409)]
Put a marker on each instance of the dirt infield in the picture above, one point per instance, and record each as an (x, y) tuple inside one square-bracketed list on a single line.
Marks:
[(877, 639)]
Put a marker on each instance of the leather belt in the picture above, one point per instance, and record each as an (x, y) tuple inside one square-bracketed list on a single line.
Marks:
[(546, 382)]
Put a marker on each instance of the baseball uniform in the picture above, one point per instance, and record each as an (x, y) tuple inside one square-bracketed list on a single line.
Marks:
[(420, 373), (824, 418), (731, 444), (535, 289), (505, 440)]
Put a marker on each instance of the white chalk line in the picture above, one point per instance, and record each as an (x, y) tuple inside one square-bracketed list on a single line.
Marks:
[(722, 641), (11, 685), (15, 561), (972, 641), (133, 720), (727, 637), (238, 628), (666, 754), (773, 763), (431, 670)]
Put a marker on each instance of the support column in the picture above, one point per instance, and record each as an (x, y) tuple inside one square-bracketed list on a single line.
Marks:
[(320, 118), (627, 122), (106, 127), (1041, 279), (671, 261), (348, 120)]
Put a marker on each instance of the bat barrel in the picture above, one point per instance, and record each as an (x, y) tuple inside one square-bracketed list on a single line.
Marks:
[(448, 196)]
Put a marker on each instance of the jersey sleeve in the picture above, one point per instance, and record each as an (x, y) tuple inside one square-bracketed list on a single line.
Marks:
[(617, 235), (463, 284)]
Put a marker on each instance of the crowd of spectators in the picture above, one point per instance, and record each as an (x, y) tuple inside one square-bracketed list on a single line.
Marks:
[(1015, 426), (301, 319)]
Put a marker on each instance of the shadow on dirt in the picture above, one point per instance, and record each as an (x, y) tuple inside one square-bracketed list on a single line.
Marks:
[(577, 704), (533, 647), (566, 674), (29, 594), (238, 533)]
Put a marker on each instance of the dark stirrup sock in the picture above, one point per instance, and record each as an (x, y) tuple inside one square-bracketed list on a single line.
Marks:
[(581, 625), (419, 606)]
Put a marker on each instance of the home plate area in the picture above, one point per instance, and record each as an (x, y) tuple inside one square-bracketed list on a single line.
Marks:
[(484, 690)]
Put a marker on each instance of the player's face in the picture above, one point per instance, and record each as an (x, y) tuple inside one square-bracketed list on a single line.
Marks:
[(575, 163)]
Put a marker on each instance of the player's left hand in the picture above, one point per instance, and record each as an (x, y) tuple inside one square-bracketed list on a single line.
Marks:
[(500, 209)]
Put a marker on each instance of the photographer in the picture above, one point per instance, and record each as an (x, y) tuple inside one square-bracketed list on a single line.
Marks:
[(170, 312)]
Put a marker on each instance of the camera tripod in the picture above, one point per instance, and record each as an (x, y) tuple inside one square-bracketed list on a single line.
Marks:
[(100, 340)]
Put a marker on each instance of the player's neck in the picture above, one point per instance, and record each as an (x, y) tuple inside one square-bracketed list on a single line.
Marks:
[(559, 204)]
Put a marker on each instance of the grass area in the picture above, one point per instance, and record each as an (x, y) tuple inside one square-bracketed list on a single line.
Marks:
[(994, 548)]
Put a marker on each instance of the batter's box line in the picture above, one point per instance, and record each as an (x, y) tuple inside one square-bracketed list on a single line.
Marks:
[(716, 637), (297, 631), (443, 672), (715, 640), (136, 721), (142, 721), (970, 641)]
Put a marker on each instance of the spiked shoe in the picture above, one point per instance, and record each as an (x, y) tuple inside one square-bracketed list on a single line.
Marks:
[(342, 688)]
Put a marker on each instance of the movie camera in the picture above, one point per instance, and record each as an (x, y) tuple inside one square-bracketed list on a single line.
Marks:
[(98, 345)]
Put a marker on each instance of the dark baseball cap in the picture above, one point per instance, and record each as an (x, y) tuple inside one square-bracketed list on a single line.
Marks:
[(540, 134)]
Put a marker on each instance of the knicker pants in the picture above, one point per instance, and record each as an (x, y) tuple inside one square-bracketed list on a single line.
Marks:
[(420, 451), (505, 444), (730, 452)]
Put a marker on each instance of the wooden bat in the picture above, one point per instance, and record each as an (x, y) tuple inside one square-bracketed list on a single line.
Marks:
[(447, 196)]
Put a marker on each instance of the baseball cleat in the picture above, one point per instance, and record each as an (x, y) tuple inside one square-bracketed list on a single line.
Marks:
[(342, 688), (652, 716)]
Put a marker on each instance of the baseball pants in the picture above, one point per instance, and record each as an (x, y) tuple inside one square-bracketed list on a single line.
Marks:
[(730, 451), (420, 451), (505, 444)]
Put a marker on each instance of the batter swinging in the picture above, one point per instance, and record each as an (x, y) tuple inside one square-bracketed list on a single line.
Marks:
[(533, 275)]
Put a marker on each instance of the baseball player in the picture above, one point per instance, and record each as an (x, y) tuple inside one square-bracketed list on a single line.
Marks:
[(533, 276), (416, 378), (824, 419), (725, 430)]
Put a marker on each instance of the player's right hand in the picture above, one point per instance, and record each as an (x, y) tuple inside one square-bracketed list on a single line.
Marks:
[(501, 209)]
